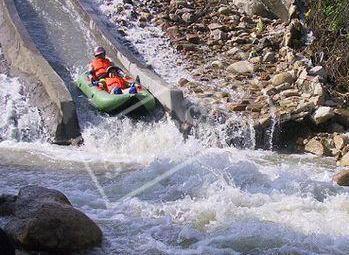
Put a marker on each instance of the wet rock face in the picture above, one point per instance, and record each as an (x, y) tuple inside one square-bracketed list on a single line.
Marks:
[(44, 220)]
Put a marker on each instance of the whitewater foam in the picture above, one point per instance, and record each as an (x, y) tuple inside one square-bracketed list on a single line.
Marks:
[(19, 121)]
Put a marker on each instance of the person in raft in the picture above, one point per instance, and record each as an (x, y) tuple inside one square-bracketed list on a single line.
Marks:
[(116, 81), (99, 65)]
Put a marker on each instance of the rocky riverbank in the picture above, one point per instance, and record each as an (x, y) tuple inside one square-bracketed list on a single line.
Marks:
[(255, 66)]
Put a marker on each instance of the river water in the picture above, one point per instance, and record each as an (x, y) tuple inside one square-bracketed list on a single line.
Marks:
[(154, 192)]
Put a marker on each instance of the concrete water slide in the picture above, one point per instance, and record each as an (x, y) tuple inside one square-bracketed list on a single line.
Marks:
[(171, 99), (22, 53)]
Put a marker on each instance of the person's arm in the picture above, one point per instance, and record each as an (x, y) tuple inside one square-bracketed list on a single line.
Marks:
[(90, 71), (103, 84)]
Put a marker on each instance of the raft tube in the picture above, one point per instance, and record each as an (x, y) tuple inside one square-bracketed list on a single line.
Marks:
[(109, 103)]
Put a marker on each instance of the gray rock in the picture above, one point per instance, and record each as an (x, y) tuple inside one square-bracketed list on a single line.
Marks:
[(269, 57), (214, 26), (289, 93), (323, 114), (256, 60), (224, 10), (279, 8), (217, 64), (44, 220), (305, 107), (283, 86), (340, 141), (233, 51), (318, 71), (318, 90), (242, 67), (187, 17), (218, 34), (281, 78), (315, 146)]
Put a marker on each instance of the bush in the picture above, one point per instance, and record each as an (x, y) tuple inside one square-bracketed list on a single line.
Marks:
[(328, 19), (334, 12)]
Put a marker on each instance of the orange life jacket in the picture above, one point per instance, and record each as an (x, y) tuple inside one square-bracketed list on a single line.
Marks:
[(99, 67), (115, 82)]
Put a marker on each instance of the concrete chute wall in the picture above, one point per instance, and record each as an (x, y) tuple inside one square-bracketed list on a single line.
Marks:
[(22, 54)]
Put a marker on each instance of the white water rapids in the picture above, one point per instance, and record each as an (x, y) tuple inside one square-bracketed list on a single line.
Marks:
[(152, 192)]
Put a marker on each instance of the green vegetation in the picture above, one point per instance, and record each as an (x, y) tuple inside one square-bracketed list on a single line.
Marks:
[(336, 12), (328, 19)]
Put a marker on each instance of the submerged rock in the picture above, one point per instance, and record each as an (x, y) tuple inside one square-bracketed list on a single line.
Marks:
[(44, 220)]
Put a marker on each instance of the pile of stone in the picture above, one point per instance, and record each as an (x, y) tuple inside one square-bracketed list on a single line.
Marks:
[(331, 145), (230, 51), (43, 220), (243, 63)]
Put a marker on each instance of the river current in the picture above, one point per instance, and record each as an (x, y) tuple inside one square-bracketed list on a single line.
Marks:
[(154, 192)]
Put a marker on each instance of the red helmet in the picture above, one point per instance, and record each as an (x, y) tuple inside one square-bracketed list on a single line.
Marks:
[(98, 51)]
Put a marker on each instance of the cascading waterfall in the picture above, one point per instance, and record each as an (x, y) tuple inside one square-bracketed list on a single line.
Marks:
[(18, 120), (271, 130)]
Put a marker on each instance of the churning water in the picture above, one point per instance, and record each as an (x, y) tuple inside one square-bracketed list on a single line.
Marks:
[(152, 192)]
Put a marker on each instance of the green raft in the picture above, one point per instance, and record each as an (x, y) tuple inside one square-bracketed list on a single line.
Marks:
[(106, 102)]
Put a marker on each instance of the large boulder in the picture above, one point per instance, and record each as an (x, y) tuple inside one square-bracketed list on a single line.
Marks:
[(6, 246), (44, 220)]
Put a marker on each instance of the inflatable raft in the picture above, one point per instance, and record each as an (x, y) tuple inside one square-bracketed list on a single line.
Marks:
[(106, 102)]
